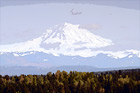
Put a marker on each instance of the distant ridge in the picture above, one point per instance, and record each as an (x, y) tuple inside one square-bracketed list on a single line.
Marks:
[(15, 70)]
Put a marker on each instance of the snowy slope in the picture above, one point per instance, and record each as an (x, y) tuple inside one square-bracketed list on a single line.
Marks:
[(63, 37), (44, 60), (67, 39)]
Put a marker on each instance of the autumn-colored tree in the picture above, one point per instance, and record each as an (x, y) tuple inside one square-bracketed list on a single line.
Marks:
[(122, 81)]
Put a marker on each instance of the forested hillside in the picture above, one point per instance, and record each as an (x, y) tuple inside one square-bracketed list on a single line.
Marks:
[(122, 81)]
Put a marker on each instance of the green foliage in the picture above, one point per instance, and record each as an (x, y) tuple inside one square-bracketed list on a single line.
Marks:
[(122, 81)]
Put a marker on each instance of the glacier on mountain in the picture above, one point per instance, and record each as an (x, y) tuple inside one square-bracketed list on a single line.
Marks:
[(67, 39)]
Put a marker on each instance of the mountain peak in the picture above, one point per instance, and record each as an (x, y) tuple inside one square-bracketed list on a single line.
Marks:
[(70, 25), (66, 39), (72, 37), (69, 40), (67, 24)]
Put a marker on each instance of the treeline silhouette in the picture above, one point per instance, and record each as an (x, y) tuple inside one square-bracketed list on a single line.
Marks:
[(122, 81)]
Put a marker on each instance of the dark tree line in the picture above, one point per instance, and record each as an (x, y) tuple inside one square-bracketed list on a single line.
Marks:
[(122, 81)]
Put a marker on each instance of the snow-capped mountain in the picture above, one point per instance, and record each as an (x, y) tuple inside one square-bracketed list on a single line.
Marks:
[(67, 39), (67, 44), (60, 39)]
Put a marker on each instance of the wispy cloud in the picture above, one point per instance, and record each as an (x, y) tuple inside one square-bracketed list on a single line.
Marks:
[(75, 12)]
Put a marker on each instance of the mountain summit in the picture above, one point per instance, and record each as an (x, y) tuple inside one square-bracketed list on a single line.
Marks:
[(60, 39), (69, 40), (71, 37)]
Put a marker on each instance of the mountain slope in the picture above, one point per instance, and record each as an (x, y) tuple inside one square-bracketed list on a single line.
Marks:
[(67, 39), (63, 38)]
